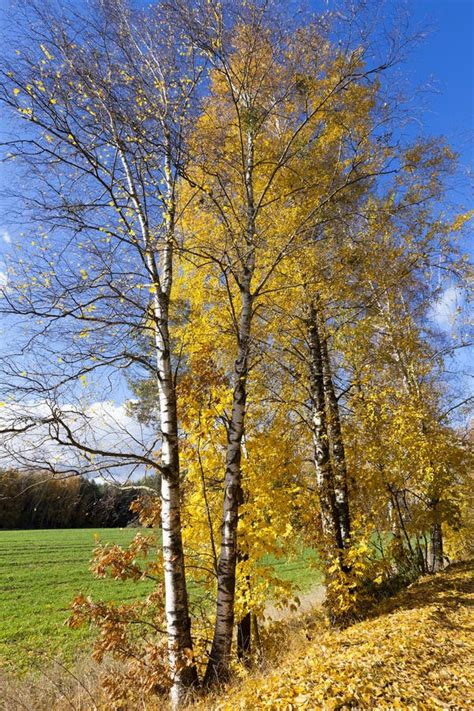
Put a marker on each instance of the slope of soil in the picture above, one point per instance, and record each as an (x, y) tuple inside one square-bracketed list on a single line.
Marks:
[(415, 652)]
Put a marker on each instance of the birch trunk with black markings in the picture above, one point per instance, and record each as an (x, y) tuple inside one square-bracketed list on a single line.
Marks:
[(337, 446), (437, 555), (322, 456), (219, 658), (218, 666), (178, 623)]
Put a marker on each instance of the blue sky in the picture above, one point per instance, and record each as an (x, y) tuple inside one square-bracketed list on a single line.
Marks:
[(444, 61), (447, 55)]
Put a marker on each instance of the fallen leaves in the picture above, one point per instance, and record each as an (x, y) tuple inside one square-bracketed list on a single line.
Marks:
[(415, 654)]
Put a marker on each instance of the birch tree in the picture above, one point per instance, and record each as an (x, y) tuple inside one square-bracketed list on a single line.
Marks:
[(106, 98), (277, 159), (418, 244), (214, 192)]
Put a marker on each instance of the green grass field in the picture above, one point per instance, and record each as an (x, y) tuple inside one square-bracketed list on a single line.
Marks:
[(40, 573)]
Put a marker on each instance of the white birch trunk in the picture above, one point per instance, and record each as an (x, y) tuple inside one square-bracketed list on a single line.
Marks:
[(178, 624), (322, 457), (337, 445), (437, 553), (219, 658)]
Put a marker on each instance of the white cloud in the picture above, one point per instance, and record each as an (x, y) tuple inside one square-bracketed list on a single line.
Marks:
[(6, 236), (447, 307), (3, 278), (103, 426)]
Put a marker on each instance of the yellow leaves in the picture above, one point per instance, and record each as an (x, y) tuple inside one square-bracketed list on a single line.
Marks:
[(125, 76), (83, 380), (16, 91), (204, 315), (461, 220), (46, 53), (415, 654)]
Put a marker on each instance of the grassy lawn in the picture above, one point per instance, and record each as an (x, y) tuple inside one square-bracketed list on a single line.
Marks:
[(301, 569), (40, 573)]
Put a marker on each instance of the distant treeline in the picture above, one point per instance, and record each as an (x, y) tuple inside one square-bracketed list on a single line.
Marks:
[(32, 500)]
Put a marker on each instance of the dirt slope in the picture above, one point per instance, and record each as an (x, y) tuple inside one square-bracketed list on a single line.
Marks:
[(415, 652)]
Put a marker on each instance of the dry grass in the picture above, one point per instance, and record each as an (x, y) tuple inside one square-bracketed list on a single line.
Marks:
[(54, 688)]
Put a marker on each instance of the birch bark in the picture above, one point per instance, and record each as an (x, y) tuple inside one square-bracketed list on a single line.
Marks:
[(219, 658), (437, 557), (337, 445), (178, 624), (322, 457), (218, 666)]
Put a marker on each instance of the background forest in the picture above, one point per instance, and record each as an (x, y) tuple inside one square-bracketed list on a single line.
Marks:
[(227, 227), (41, 501)]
